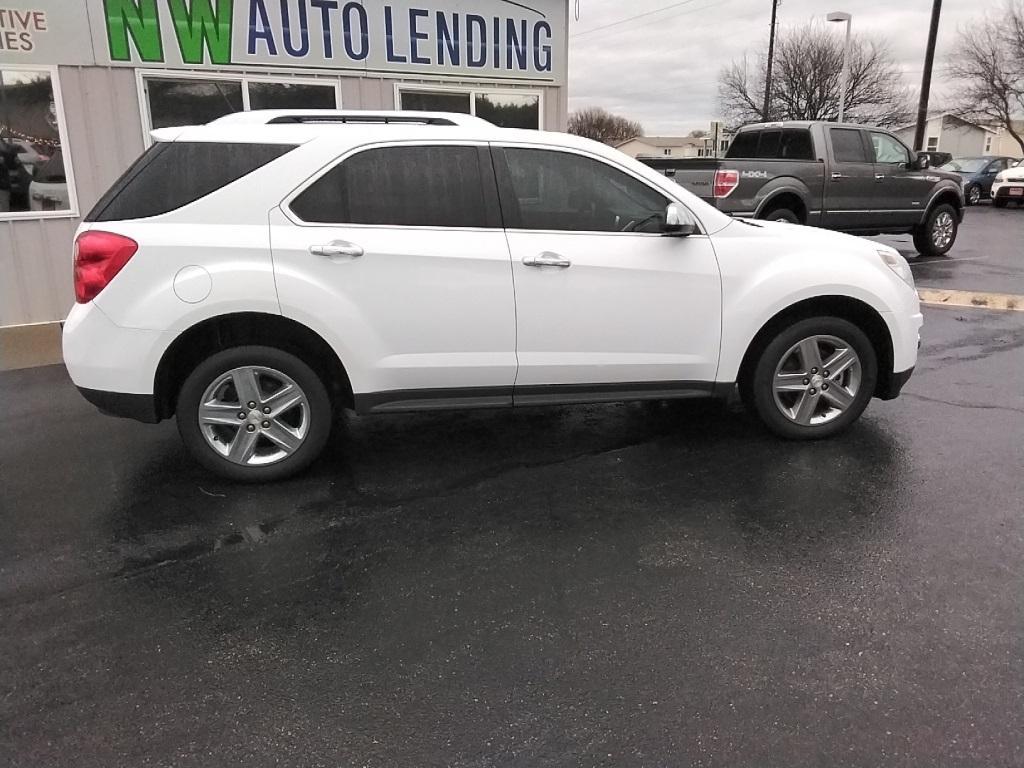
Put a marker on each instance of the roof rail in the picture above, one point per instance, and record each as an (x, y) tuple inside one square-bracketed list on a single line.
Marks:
[(347, 116)]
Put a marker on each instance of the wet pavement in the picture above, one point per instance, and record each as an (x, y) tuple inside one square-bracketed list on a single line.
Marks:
[(988, 254), (642, 584)]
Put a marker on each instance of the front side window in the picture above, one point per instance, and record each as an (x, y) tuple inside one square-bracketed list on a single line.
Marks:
[(847, 146), (561, 191), (424, 186), (888, 150), (31, 145)]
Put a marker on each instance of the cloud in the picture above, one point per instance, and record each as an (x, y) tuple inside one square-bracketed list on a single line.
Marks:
[(662, 69)]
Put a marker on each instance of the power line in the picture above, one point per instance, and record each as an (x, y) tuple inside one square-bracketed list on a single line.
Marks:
[(606, 34), (630, 18)]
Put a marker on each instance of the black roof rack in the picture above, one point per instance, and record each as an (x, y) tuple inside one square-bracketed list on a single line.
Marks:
[(364, 119)]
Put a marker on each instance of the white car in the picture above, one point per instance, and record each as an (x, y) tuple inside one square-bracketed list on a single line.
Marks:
[(48, 190), (1009, 186), (258, 274)]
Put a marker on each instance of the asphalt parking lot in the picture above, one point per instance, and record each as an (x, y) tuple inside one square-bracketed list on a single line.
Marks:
[(638, 584)]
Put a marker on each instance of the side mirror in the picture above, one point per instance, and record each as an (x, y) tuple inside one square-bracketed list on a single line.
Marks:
[(923, 161), (677, 224)]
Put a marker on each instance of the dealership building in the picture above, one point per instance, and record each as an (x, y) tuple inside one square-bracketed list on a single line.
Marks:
[(83, 82)]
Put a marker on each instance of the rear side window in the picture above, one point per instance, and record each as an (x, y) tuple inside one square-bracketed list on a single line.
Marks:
[(768, 146), (744, 144), (440, 186), (847, 146), (172, 174), (796, 145)]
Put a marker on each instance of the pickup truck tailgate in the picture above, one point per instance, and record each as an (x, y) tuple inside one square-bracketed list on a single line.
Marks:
[(695, 175)]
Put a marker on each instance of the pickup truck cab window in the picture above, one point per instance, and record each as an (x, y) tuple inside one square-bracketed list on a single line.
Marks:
[(888, 149), (847, 146)]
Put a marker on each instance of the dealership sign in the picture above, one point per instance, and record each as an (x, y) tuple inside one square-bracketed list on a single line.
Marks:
[(488, 38)]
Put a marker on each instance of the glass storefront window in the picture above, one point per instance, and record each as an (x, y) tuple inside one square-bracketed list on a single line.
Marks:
[(191, 102), (504, 109), (195, 101), (33, 176), (509, 110)]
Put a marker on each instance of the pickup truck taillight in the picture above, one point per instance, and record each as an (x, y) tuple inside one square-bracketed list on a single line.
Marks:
[(725, 182), (99, 256)]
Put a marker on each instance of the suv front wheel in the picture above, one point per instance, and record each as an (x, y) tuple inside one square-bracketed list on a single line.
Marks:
[(254, 414), (813, 379)]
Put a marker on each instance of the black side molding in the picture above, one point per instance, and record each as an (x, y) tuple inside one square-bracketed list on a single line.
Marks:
[(127, 406)]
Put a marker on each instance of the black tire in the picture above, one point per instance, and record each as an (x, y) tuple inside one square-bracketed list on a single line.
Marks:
[(781, 214), (973, 195), (317, 409), (927, 238), (760, 388), (1000, 202)]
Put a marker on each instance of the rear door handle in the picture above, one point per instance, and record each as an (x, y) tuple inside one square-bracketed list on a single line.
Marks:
[(336, 248), (546, 259), (837, 176), (879, 176)]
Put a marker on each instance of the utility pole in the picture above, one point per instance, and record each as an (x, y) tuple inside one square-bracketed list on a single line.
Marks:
[(771, 55), (926, 77)]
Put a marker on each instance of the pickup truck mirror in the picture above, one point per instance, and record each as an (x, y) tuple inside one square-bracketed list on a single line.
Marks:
[(922, 162), (677, 223)]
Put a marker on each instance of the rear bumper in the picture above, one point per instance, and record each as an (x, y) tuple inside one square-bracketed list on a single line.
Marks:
[(892, 389), (128, 406)]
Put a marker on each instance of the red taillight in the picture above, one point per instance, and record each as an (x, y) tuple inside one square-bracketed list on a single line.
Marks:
[(99, 256), (725, 182)]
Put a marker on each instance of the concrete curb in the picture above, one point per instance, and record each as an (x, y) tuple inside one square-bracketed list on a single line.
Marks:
[(942, 297)]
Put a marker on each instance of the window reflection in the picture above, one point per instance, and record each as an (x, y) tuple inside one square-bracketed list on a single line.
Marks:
[(508, 110), (30, 144)]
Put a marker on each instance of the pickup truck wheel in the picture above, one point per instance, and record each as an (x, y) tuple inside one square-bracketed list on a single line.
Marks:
[(781, 214), (814, 378), (938, 233), (973, 194), (254, 414)]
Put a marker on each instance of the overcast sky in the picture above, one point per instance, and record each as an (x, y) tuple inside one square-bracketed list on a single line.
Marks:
[(662, 69)]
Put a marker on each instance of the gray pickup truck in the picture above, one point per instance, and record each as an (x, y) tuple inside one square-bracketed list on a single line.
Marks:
[(850, 178)]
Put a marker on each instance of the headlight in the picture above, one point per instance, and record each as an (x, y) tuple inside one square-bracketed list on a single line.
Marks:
[(897, 264), (1001, 176)]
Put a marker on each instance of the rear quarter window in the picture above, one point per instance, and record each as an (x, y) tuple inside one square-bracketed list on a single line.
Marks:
[(170, 175), (744, 144)]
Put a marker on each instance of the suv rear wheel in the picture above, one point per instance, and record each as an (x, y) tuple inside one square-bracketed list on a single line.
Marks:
[(813, 379), (254, 414), (938, 233)]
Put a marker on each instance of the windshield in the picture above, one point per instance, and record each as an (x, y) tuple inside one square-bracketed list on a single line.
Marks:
[(965, 164)]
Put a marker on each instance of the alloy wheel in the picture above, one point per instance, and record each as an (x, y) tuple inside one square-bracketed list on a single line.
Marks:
[(974, 195), (816, 380), (942, 230), (254, 415)]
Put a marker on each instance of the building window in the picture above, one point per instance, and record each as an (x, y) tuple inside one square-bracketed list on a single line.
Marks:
[(193, 101), (933, 143), (988, 144), (507, 109), (666, 151), (35, 169)]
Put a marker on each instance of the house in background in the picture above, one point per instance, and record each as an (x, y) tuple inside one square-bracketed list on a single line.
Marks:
[(948, 133), (676, 146), (1002, 144)]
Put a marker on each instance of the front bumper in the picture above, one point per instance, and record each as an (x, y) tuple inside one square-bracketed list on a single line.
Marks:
[(891, 389)]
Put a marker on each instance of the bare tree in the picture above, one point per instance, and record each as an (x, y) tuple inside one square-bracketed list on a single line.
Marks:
[(601, 125), (806, 81), (988, 66)]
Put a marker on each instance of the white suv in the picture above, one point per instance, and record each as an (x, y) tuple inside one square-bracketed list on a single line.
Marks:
[(258, 274)]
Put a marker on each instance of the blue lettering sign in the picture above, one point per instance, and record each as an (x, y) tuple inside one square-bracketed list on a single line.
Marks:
[(326, 6), (448, 39), (286, 32), (480, 24), (364, 31), (415, 14), (259, 28), (515, 43), (542, 63), (389, 37)]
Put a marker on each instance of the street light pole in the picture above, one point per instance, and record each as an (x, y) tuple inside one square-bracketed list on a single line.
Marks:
[(926, 78), (845, 77), (765, 110)]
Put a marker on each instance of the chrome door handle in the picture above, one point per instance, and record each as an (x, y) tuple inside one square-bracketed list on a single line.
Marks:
[(336, 248), (546, 259), (879, 176), (837, 176)]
